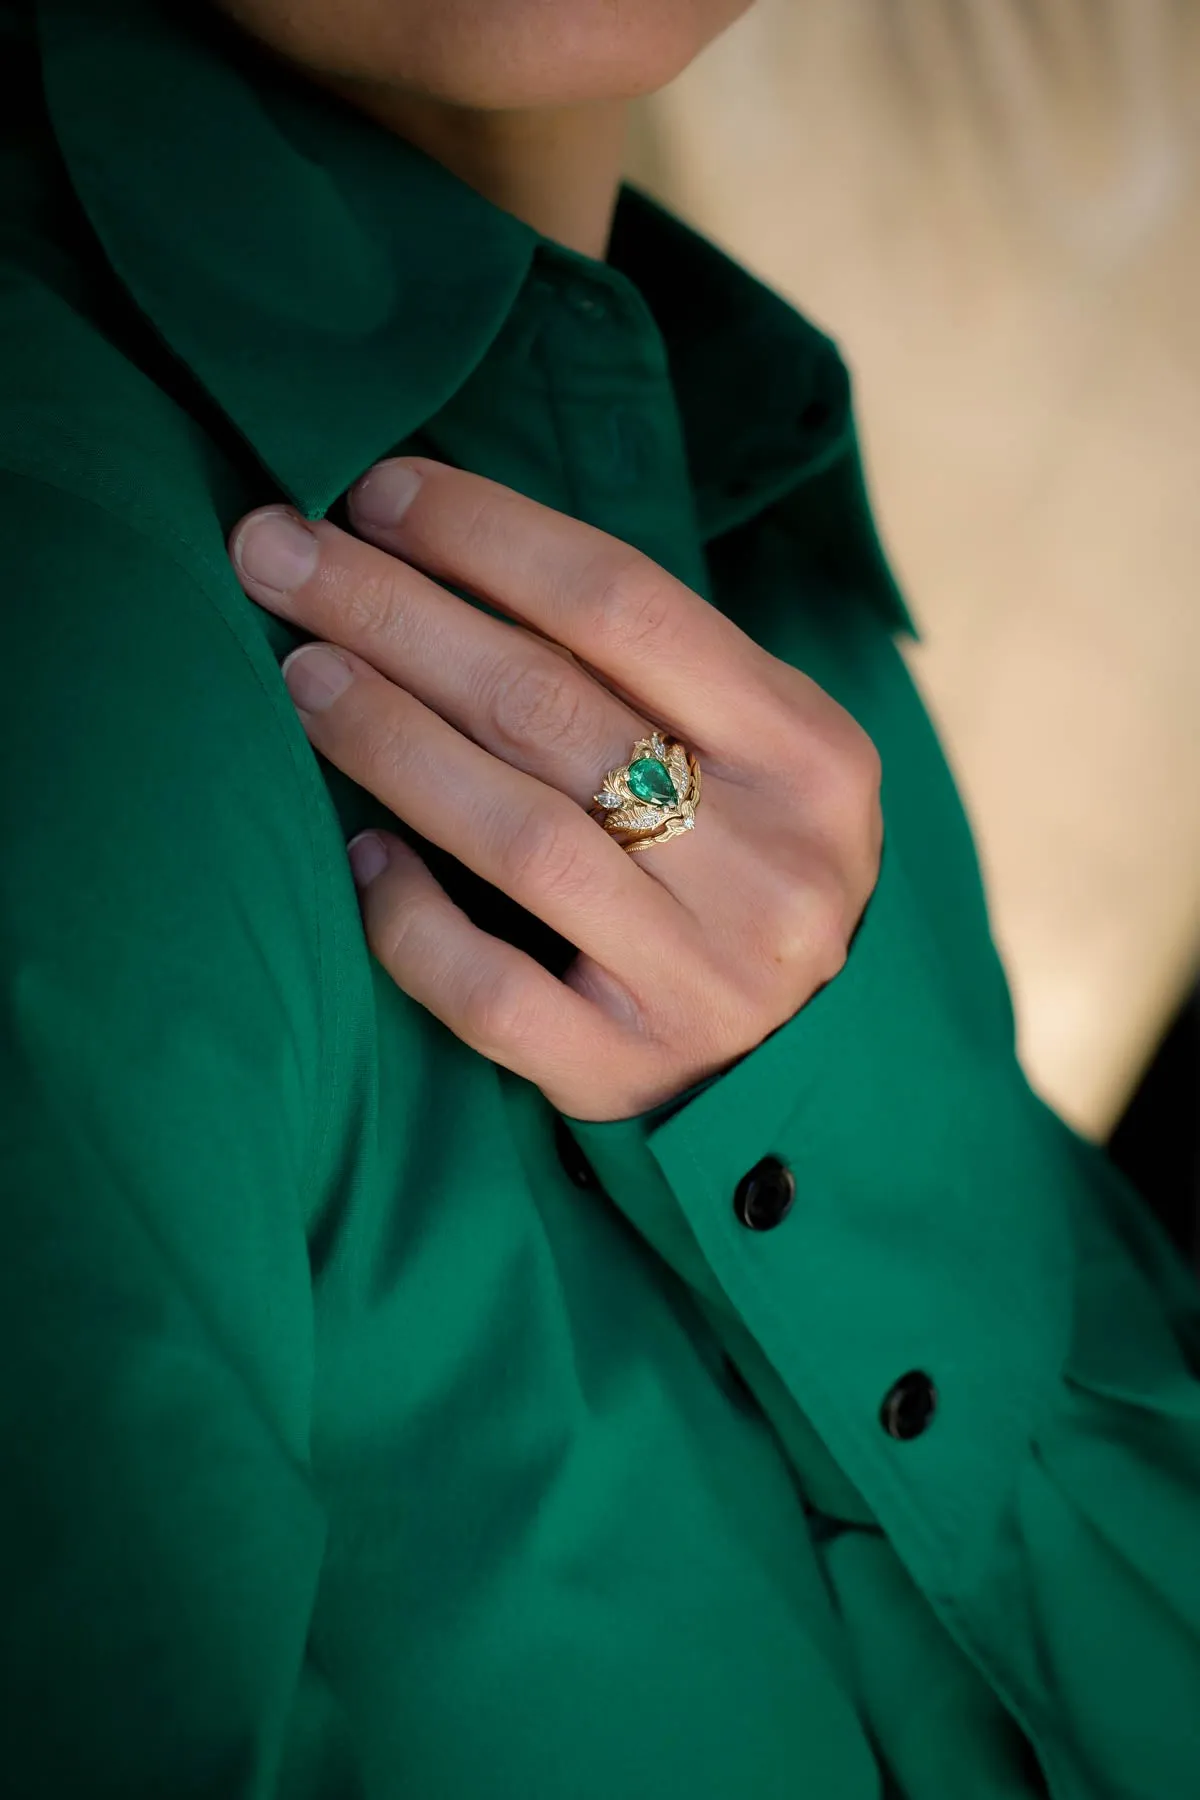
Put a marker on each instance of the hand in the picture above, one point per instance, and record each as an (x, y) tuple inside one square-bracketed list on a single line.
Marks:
[(490, 739)]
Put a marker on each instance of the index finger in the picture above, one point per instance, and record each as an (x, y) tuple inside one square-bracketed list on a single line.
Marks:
[(675, 656)]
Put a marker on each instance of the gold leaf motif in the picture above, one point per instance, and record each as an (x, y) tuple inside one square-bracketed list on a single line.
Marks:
[(645, 823)]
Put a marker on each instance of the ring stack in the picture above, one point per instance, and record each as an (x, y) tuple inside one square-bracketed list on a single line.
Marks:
[(652, 797)]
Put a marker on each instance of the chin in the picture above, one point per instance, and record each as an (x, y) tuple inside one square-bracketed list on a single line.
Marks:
[(525, 54), (493, 55)]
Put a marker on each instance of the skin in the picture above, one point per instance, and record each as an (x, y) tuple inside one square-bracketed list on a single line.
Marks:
[(490, 737), (523, 99)]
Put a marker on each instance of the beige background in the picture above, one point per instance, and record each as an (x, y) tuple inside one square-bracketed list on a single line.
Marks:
[(994, 207)]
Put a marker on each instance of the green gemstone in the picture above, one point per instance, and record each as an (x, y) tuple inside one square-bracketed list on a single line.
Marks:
[(648, 779)]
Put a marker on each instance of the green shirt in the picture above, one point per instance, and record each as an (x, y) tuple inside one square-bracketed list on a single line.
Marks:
[(370, 1430)]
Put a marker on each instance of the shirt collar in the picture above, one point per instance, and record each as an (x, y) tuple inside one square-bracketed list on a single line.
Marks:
[(332, 287), (327, 283)]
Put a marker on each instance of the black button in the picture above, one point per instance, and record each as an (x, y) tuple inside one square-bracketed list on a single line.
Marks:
[(765, 1195), (815, 414), (572, 1158), (910, 1406)]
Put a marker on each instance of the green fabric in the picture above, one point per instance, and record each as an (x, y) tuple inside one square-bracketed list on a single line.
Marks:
[(352, 1449)]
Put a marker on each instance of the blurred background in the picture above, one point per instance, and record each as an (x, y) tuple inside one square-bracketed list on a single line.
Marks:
[(994, 207)]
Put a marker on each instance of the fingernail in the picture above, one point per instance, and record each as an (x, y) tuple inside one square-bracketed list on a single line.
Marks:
[(315, 676), (277, 550), (384, 493), (368, 857)]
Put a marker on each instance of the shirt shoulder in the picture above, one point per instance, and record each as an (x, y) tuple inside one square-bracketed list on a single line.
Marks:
[(158, 897), (116, 496), (122, 605), (92, 401), (78, 414), (170, 854)]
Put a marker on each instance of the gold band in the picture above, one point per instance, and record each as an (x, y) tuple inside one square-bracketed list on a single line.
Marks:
[(651, 798)]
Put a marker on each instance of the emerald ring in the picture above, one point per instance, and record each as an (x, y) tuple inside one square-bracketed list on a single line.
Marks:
[(652, 797)]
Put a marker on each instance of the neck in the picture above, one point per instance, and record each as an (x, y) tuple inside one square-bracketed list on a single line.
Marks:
[(557, 169)]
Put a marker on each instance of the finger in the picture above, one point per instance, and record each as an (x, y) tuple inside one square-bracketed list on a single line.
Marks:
[(680, 659), (510, 690), (488, 993), (527, 839)]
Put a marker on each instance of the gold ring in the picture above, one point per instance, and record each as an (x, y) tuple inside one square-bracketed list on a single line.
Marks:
[(652, 797)]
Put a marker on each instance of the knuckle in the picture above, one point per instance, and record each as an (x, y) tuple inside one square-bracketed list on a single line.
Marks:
[(845, 773), (802, 926), (496, 1008), (777, 745), (539, 704), (363, 599), (826, 927), (546, 856), (481, 530), (855, 763), (477, 522), (864, 765), (818, 747), (375, 747), (860, 781), (635, 608), (830, 951), (400, 935)]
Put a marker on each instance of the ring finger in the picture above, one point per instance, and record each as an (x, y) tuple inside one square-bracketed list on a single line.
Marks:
[(516, 695), (524, 837)]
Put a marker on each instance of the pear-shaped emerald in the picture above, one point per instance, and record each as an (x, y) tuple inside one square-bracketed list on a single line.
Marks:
[(649, 780)]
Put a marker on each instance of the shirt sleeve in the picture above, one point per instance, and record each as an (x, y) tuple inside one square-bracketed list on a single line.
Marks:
[(972, 1316), (160, 1536)]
